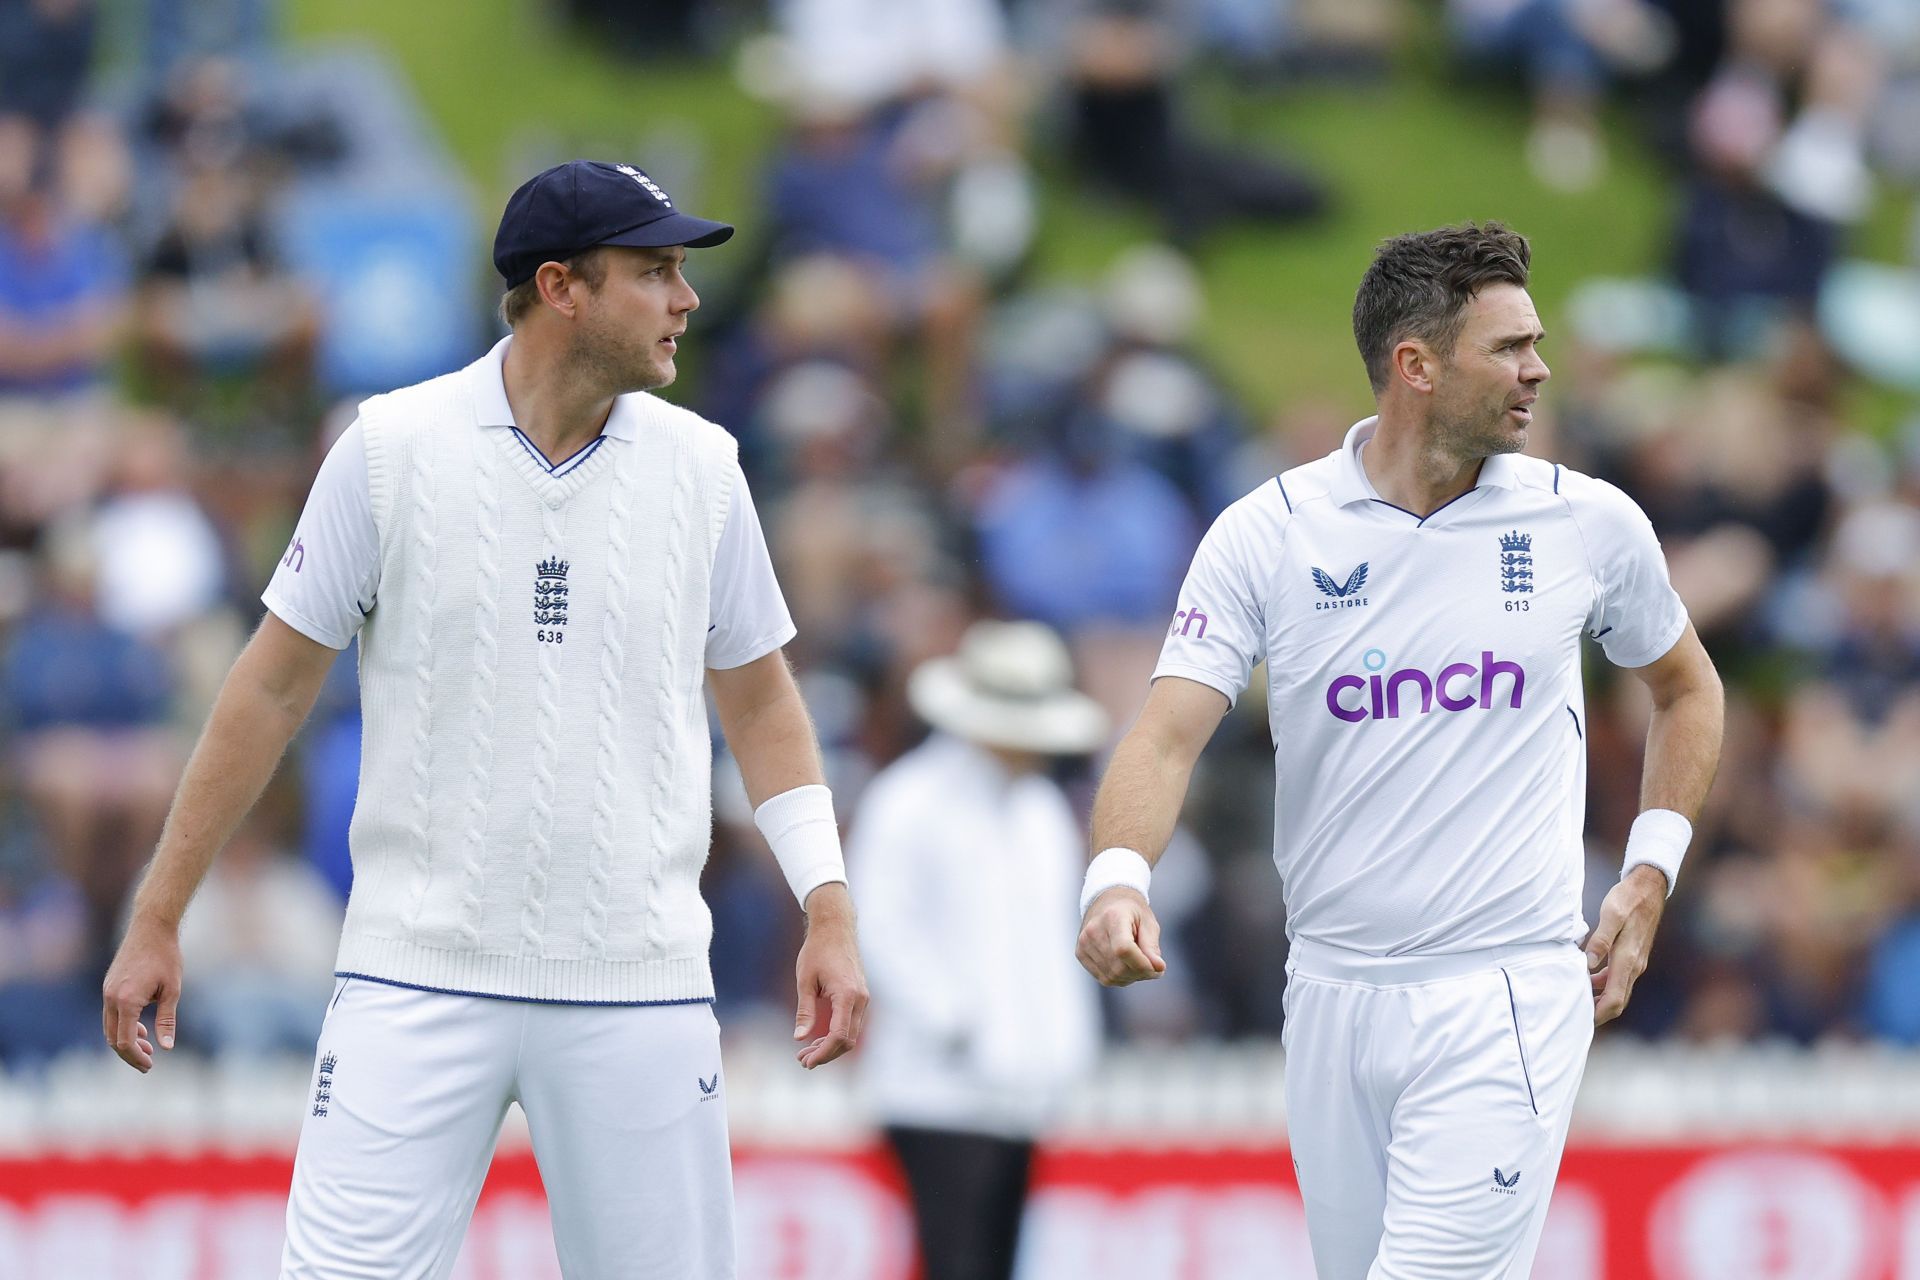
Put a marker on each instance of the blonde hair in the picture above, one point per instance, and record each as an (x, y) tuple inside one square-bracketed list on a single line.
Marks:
[(589, 264)]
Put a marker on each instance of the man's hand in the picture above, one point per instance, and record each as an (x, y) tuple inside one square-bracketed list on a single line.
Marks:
[(1120, 939), (833, 989), (145, 971), (1620, 943)]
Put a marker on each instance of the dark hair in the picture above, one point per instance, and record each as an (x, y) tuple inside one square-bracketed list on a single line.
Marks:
[(589, 264), (1420, 284)]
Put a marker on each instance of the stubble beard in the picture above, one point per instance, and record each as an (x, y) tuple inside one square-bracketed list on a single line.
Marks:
[(1469, 434), (606, 358)]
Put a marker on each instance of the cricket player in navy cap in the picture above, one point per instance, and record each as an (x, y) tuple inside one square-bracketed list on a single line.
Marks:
[(546, 566)]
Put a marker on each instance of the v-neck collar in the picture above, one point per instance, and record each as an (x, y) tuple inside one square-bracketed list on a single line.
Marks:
[(1352, 486), (555, 482), (554, 485)]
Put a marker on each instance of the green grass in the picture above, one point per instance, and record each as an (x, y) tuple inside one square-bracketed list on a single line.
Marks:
[(1415, 152), (1399, 156), (493, 73)]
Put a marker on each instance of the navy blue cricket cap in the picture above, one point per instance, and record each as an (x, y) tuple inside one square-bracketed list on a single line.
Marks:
[(583, 204)]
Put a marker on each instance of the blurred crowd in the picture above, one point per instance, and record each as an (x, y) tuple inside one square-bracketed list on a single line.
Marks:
[(937, 434)]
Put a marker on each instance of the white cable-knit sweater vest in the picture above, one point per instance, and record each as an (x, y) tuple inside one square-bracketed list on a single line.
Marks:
[(535, 786)]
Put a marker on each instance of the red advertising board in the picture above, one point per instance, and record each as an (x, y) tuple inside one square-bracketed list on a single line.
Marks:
[(1740, 1212)]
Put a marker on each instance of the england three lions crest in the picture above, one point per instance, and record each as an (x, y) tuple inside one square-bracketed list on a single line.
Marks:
[(1516, 561), (550, 598)]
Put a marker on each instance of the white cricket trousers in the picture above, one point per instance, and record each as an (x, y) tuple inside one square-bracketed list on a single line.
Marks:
[(1427, 1104), (625, 1105)]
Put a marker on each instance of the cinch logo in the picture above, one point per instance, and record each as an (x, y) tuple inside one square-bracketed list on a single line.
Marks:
[(1379, 697), (1186, 620)]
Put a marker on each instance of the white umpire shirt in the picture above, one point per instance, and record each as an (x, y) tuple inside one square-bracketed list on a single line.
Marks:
[(329, 580), (967, 878), (1424, 688)]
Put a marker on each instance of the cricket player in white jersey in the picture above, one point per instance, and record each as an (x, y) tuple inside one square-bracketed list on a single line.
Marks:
[(1418, 597), (544, 565)]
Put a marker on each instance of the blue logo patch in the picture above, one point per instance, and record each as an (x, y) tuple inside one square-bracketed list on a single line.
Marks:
[(709, 1087), (550, 600), (1504, 1184), (1355, 580), (323, 1086), (1516, 561), (1341, 595)]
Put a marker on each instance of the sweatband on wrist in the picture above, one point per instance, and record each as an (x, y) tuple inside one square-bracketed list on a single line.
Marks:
[(1658, 839), (805, 840), (1114, 869)]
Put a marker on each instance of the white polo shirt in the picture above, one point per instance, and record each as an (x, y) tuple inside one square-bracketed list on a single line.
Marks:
[(1423, 688)]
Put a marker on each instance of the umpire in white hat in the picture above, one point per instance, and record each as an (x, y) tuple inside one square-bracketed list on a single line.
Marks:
[(966, 857)]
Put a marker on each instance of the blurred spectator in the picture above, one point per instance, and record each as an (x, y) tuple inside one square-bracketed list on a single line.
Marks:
[(47, 127), (48, 980), (1852, 737), (881, 51), (851, 538), (1130, 136), (217, 110), (216, 300), (63, 297), (1167, 407), (56, 454), (1079, 536), (259, 938), (965, 861), (843, 189), (183, 32), (161, 565), (902, 159), (46, 51), (89, 706), (811, 309), (1771, 191), (1567, 50), (1890, 990)]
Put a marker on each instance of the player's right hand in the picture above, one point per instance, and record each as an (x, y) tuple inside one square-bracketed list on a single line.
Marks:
[(1120, 939), (145, 971)]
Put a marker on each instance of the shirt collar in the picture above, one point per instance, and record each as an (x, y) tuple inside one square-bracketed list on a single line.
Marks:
[(1350, 483), (490, 407)]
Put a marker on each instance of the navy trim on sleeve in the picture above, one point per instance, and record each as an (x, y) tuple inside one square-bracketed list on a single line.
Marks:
[(1283, 494)]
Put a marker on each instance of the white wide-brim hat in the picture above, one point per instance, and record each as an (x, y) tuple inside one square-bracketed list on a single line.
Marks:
[(1009, 686)]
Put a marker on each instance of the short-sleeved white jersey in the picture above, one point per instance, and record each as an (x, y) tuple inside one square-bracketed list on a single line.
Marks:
[(327, 583), (1423, 688)]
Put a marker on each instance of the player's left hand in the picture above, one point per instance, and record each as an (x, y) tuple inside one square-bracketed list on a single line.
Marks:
[(1621, 941), (833, 988)]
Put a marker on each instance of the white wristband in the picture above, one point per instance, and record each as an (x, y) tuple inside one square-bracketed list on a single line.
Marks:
[(1658, 839), (1114, 869), (805, 840)]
